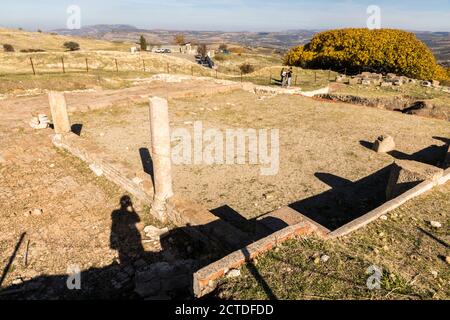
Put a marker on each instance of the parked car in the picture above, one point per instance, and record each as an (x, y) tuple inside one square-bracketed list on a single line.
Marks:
[(167, 51), (159, 50), (206, 62)]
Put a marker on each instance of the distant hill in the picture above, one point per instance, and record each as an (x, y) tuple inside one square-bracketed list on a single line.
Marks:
[(439, 42), (25, 40), (97, 31), (274, 40)]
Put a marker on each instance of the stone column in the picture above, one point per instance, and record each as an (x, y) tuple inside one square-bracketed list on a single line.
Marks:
[(161, 155), (58, 108)]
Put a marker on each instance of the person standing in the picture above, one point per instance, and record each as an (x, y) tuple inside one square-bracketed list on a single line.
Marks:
[(289, 77), (283, 77)]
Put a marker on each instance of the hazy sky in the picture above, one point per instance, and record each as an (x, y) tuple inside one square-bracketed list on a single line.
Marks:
[(233, 15)]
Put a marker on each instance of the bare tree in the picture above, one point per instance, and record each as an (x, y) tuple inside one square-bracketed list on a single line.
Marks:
[(179, 39), (203, 50)]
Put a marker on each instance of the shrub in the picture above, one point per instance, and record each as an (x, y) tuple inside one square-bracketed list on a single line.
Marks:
[(247, 68), (8, 48), (383, 50), (72, 46), (223, 47), (237, 50), (31, 50), (221, 57)]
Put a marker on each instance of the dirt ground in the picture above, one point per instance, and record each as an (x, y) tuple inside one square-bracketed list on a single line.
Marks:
[(55, 213), (327, 170)]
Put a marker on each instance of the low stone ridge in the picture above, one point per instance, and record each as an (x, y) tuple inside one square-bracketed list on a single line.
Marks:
[(406, 174), (284, 217), (205, 280)]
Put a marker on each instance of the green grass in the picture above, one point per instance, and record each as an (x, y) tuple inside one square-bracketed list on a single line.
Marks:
[(407, 255)]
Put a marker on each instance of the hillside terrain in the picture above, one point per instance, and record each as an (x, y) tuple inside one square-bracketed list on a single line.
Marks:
[(274, 40), (24, 40), (439, 42), (58, 210)]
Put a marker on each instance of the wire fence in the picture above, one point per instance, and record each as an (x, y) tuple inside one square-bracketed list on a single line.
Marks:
[(64, 65)]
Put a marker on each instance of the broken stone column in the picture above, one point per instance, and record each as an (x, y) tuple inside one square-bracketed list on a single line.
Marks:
[(58, 108), (161, 156)]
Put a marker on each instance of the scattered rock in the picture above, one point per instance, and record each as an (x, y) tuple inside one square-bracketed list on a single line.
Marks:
[(268, 195), (39, 122), (317, 260), (154, 232), (325, 258), (384, 144), (234, 273), (98, 171), (434, 273), (137, 180), (17, 281), (36, 212), (436, 224), (447, 259), (384, 217)]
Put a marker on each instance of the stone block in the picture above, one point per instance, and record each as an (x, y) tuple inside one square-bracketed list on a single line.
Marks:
[(384, 144), (354, 81), (435, 83), (391, 76), (406, 174)]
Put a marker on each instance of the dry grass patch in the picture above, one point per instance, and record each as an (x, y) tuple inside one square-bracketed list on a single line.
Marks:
[(409, 251)]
